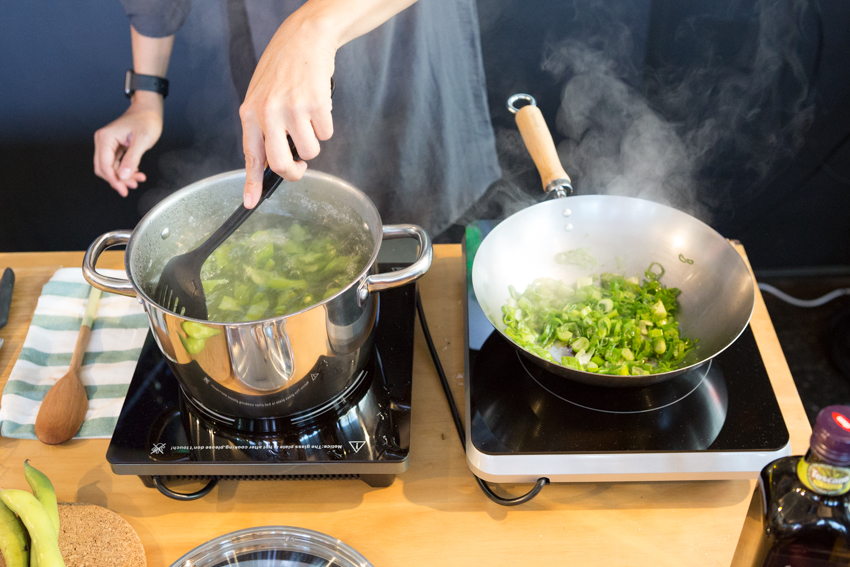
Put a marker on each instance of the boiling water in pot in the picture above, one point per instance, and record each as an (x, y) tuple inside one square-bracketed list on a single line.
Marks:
[(276, 265)]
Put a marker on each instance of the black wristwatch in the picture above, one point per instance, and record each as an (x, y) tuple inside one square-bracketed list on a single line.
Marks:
[(134, 82)]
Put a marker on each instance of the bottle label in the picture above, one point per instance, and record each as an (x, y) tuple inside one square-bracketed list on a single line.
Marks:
[(823, 478)]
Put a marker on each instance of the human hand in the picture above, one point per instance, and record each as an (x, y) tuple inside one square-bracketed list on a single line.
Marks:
[(290, 95), (119, 146)]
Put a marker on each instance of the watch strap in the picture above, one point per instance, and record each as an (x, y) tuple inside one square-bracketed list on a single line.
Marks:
[(135, 82)]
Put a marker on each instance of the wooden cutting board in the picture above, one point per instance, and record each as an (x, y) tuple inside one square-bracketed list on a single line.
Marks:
[(93, 536)]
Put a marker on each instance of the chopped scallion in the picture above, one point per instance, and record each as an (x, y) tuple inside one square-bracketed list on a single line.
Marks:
[(618, 327)]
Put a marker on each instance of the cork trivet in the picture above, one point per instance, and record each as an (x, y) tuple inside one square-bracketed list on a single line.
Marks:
[(92, 536)]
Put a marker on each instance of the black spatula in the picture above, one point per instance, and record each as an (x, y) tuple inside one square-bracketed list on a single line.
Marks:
[(179, 288)]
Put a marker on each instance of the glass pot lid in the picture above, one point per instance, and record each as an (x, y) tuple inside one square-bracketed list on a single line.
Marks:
[(273, 546)]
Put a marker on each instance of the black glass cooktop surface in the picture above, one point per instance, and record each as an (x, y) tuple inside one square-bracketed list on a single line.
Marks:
[(365, 431), (727, 404)]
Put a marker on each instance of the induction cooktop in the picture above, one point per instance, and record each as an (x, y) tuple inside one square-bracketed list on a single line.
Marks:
[(720, 420), (364, 434)]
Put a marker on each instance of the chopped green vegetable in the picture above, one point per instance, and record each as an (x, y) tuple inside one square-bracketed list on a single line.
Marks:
[(197, 335), (297, 232), (338, 265), (241, 293), (198, 331), (685, 260), (229, 304), (193, 345), (259, 277), (650, 275), (278, 282), (256, 310), (221, 253), (264, 254), (273, 266), (210, 285), (293, 247), (618, 327)]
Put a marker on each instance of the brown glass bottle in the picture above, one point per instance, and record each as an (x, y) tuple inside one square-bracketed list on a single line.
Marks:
[(800, 513)]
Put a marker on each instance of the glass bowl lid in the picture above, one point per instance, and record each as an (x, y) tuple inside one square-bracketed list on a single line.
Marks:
[(273, 546)]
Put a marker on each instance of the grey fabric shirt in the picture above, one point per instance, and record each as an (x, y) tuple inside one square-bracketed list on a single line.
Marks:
[(411, 123)]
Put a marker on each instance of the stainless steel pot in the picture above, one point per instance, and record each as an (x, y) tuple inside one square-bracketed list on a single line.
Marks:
[(282, 366), (623, 234)]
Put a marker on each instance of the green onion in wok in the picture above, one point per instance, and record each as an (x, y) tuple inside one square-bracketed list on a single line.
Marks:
[(619, 327)]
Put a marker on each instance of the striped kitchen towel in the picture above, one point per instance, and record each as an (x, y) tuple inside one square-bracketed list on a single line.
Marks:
[(118, 333)]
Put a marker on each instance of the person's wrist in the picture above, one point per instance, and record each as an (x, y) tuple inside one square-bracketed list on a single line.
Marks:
[(324, 27), (146, 101)]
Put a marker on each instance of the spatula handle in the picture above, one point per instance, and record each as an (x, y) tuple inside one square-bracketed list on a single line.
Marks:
[(271, 181)]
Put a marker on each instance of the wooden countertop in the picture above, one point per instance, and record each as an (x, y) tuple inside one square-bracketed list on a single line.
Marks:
[(434, 514)]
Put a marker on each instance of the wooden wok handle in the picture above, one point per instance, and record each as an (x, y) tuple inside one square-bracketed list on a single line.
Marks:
[(540, 145)]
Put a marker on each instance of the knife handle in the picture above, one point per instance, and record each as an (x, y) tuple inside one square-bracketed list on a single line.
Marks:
[(7, 283)]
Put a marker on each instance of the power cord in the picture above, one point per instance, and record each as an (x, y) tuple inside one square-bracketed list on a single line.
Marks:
[(541, 482), (808, 303)]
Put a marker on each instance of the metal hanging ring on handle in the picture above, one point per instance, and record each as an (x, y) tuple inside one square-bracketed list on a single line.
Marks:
[(518, 97)]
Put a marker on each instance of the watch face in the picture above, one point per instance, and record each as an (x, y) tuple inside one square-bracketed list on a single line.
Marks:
[(128, 77)]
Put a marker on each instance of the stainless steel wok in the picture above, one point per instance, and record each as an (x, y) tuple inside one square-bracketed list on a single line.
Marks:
[(624, 234)]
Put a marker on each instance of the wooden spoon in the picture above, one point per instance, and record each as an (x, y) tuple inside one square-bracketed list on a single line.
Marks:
[(64, 407)]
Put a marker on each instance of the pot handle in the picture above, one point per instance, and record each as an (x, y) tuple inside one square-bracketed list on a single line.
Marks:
[(380, 282), (538, 141), (101, 282)]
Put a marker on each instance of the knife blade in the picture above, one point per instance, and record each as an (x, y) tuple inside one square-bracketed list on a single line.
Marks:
[(7, 284)]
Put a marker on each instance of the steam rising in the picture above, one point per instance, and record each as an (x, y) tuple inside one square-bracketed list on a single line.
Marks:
[(698, 137), (694, 138), (616, 143)]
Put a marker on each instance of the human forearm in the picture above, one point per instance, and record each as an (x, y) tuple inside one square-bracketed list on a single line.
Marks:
[(341, 21), (151, 54), (150, 57)]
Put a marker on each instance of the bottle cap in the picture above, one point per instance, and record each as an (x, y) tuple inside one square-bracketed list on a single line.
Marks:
[(831, 436)]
